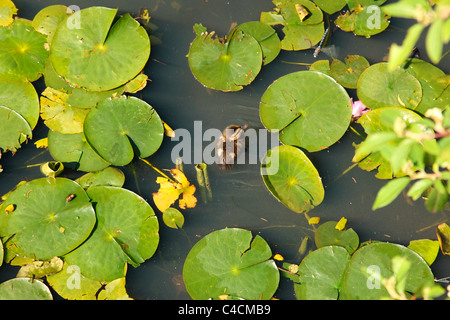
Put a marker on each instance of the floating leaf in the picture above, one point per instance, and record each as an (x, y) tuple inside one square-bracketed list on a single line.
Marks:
[(321, 274), (328, 235), (173, 218), (347, 74), (309, 109), (46, 21), (266, 37), (114, 290), (341, 224), (426, 248), (443, 235), (109, 176), (24, 289), (169, 191), (7, 11), (39, 269), (15, 130), (52, 168), (41, 211), (330, 6), (373, 262), (100, 53), (74, 152), (23, 53), (126, 232), (292, 178), (117, 129), (225, 65), (231, 262), (299, 34), (377, 87)]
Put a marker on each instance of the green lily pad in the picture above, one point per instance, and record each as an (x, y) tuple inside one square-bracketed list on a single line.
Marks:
[(100, 53), (47, 20), (426, 248), (292, 178), (436, 93), (321, 274), (377, 87), (364, 20), (347, 74), (266, 36), (225, 65), (7, 11), (327, 235), (126, 231), (299, 34), (24, 289), (21, 96), (321, 66), (379, 120), (15, 130), (23, 53), (330, 6), (230, 262), (373, 262), (310, 109), (44, 223), (118, 128), (74, 152), (107, 177)]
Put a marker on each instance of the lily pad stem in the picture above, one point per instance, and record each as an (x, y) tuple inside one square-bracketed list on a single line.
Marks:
[(203, 182)]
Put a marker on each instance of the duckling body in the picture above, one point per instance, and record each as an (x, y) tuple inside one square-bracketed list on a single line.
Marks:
[(229, 145)]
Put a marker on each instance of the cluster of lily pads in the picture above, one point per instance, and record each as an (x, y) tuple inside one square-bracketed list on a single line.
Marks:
[(82, 232)]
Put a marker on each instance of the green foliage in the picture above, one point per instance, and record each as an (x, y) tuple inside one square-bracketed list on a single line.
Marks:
[(434, 15)]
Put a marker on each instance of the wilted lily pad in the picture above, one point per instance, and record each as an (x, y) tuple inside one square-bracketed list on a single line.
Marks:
[(23, 53), (15, 130), (118, 128), (225, 65), (24, 289), (7, 11), (75, 152), (377, 87), (321, 274), (302, 21), (47, 20), (100, 53), (373, 262), (230, 262), (292, 178), (347, 73), (266, 36), (126, 232), (310, 109), (45, 223)]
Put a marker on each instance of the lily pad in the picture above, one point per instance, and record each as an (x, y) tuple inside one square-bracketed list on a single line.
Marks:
[(230, 262), (7, 11), (118, 128), (377, 87), (327, 235), (365, 20), (126, 232), (107, 177), (15, 130), (299, 32), (347, 73), (100, 53), (225, 65), (266, 36), (321, 274), (24, 289), (330, 6), (74, 152), (44, 223), (23, 53), (296, 182), (47, 20), (373, 262), (436, 93), (310, 109), (21, 96)]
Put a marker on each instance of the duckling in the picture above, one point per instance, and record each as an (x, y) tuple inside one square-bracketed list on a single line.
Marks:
[(225, 152)]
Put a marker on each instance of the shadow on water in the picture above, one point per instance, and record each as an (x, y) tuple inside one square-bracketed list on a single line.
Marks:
[(240, 198)]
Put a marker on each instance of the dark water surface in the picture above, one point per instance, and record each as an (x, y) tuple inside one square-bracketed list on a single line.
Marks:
[(240, 198)]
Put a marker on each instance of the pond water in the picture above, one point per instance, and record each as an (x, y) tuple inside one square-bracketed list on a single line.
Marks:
[(240, 198)]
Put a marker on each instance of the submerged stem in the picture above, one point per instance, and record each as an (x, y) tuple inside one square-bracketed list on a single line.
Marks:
[(203, 182)]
